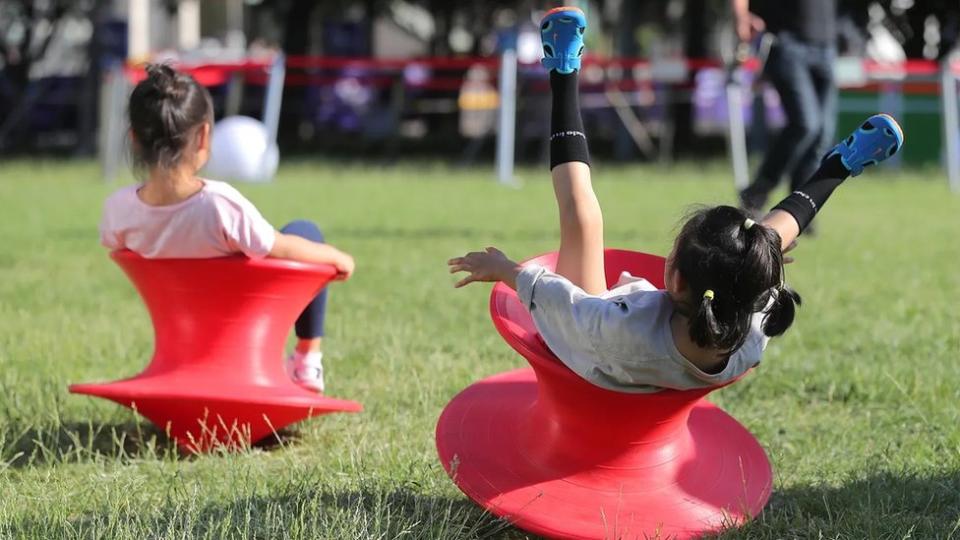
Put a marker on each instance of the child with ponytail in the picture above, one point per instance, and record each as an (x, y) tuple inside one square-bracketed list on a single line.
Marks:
[(174, 213), (725, 292)]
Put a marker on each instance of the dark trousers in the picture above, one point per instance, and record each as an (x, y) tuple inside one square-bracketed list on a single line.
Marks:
[(802, 73), (310, 323)]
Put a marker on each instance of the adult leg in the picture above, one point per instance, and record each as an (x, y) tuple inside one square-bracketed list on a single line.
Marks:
[(821, 72), (788, 71), (581, 221), (309, 325)]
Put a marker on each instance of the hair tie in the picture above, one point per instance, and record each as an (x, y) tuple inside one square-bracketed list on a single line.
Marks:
[(708, 294), (747, 223)]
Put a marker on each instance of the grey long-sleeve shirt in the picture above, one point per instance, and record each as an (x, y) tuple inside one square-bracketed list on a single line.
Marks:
[(621, 340)]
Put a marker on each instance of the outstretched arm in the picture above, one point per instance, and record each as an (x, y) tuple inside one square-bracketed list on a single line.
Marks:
[(293, 247), (746, 24)]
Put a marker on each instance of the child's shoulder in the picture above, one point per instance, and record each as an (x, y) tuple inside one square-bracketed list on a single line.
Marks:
[(121, 197), (220, 187), (221, 193), (227, 201), (127, 191)]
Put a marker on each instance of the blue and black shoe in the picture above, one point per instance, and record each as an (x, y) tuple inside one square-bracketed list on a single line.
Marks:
[(879, 138), (561, 31)]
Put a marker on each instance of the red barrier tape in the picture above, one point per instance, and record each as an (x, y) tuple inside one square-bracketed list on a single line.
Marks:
[(256, 71), (205, 74), (330, 62)]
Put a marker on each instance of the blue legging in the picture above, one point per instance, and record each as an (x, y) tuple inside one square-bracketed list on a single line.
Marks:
[(309, 324)]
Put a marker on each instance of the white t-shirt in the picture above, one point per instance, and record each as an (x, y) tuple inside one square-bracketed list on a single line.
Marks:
[(214, 222), (621, 340)]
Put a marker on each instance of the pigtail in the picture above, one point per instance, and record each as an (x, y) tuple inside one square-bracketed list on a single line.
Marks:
[(781, 312), (721, 324), (708, 315)]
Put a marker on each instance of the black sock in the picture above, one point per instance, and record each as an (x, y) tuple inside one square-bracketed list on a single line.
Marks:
[(806, 201), (568, 142)]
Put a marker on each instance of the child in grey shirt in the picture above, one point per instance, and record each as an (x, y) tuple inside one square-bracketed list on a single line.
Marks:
[(725, 293)]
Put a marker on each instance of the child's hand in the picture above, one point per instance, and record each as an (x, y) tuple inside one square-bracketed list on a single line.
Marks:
[(488, 265), (345, 266), (788, 249)]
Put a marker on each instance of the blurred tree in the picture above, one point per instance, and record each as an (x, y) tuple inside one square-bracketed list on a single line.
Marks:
[(26, 30), (910, 26)]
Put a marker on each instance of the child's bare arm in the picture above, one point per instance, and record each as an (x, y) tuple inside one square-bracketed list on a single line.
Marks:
[(288, 246)]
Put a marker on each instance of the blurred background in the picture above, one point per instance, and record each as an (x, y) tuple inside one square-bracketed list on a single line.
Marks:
[(379, 79)]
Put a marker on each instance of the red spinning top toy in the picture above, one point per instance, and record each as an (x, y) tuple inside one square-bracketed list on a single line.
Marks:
[(217, 376), (558, 456)]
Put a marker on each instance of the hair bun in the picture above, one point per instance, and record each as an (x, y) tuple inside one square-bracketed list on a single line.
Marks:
[(163, 110), (163, 78)]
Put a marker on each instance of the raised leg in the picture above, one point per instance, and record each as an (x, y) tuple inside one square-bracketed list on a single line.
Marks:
[(581, 220), (790, 73), (878, 138)]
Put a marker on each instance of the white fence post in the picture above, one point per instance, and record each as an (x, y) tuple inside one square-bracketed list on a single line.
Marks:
[(273, 96), (951, 125), (508, 114), (113, 98), (737, 133)]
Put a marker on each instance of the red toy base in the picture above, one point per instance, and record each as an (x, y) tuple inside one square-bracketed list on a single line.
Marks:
[(206, 419), (721, 480)]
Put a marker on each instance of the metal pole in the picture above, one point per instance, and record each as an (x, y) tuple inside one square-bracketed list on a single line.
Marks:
[(737, 134), (138, 30), (508, 114), (188, 24), (273, 97), (113, 95), (236, 40), (891, 102), (951, 125)]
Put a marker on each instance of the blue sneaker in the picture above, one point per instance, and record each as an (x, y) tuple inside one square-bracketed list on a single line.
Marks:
[(877, 139), (561, 32)]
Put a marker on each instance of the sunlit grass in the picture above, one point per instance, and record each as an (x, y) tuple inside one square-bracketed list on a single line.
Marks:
[(857, 405)]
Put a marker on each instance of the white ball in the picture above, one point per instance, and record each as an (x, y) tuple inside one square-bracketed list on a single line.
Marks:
[(241, 151)]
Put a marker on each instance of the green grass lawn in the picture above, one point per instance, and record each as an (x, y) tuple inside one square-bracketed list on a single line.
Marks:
[(858, 406)]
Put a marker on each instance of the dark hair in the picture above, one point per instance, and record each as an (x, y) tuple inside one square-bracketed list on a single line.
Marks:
[(742, 266), (164, 109)]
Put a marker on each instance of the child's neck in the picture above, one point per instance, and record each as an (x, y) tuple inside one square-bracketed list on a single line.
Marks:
[(708, 360), (166, 187)]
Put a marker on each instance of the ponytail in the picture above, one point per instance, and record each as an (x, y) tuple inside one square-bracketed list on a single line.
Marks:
[(781, 312)]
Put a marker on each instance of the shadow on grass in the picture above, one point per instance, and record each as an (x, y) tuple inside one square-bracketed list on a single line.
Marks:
[(78, 441), (882, 505), (295, 511), (74, 442)]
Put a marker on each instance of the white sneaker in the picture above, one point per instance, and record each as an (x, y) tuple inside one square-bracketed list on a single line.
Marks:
[(306, 369)]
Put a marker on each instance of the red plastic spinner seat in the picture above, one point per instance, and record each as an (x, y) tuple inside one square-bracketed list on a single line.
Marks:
[(217, 376), (560, 457)]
